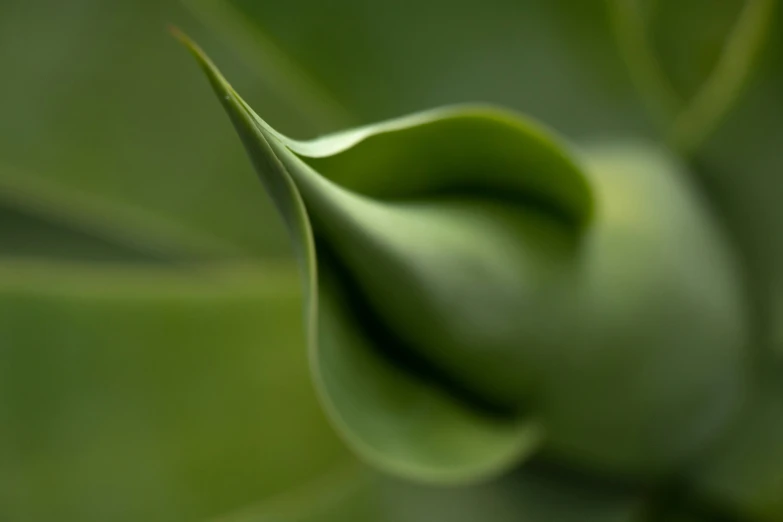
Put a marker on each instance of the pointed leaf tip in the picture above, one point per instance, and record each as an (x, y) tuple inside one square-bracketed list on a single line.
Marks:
[(188, 42), (447, 441)]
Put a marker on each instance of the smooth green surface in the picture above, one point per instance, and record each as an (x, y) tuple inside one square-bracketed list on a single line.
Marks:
[(745, 474), (653, 360), (689, 44), (175, 379), (555, 60), (101, 124), (448, 441), (347, 494), (133, 388), (357, 495), (104, 134), (461, 268), (571, 63), (401, 423), (537, 495), (691, 60), (741, 167)]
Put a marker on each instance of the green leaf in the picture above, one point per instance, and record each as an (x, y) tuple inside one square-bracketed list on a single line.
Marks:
[(538, 495), (394, 420), (531, 495), (288, 81), (691, 59), (46, 219), (653, 362), (741, 167), (744, 474), (458, 252), (26, 236), (145, 393), (99, 123), (453, 52), (401, 423), (347, 494)]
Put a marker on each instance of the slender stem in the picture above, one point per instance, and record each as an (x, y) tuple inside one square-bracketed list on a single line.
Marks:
[(723, 87), (688, 123), (646, 72)]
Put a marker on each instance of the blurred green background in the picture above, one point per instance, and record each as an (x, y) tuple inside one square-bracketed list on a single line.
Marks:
[(152, 362)]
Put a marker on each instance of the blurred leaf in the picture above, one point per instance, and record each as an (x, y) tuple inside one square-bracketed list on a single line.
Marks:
[(53, 219), (312, 101), (348, 494), (691, 59), (96, 101), (529, 496), (553, 59), (153, 395), (689, 37), (723, 87), (29, 236), (745, 472), (687, 516), (742, 168), (133, 386)]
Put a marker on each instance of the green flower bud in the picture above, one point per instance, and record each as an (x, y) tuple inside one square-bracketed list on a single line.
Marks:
[(477, 293)]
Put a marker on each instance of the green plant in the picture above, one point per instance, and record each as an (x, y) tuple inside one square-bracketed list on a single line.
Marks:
[(479, 294), (152, 360)]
